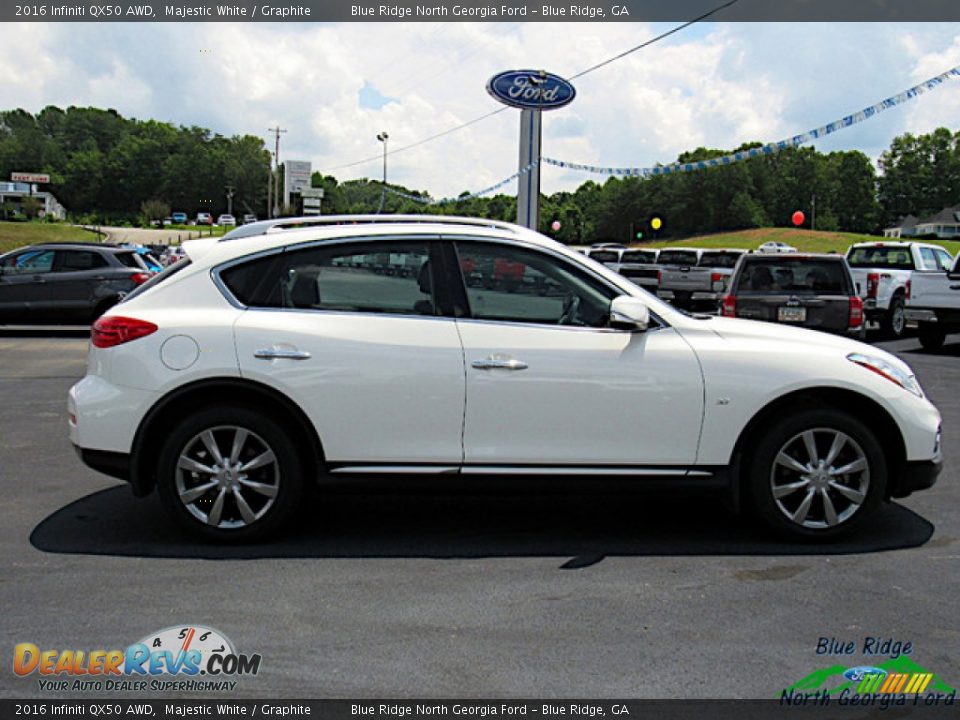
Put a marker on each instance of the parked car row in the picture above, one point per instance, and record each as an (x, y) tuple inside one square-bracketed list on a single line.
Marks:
[(874, 282), (205, 218)]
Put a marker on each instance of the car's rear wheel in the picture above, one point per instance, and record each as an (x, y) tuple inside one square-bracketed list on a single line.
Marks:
[(816, 474), (931, 336), (230, 474)]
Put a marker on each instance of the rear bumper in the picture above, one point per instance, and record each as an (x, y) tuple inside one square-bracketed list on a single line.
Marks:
[(916, 476)]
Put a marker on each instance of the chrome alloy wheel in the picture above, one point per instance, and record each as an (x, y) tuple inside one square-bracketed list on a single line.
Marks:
[(227, 477), (820, 478)]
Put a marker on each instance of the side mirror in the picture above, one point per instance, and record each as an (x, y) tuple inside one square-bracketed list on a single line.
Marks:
[(629, 313)]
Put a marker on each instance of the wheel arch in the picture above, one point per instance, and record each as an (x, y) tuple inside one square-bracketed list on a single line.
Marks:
[(155, 425), (865, 409)]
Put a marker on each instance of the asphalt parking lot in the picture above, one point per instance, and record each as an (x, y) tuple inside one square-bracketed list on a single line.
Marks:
[(467, 594)]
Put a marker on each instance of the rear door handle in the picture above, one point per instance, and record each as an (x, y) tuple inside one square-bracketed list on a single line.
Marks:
[(499, 364), (281, 354)]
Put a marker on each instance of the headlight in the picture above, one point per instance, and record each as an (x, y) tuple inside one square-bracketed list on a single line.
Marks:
[(886, 370)]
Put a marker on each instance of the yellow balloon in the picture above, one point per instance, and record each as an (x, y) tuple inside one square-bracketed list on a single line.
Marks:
[(656, 223)]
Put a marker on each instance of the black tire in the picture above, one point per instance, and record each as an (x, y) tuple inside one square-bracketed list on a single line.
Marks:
[(762, 470), (894, 323), (284, 478), (931, 336)]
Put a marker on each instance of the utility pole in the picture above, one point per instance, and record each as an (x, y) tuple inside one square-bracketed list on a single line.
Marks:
[(275, 200), (813, 212), (383, 137), (230, 192)]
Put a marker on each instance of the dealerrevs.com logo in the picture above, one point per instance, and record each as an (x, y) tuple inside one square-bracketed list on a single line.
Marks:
[(183, 657)]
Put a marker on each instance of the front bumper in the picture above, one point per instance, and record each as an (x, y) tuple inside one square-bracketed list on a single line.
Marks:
[(915, 476)]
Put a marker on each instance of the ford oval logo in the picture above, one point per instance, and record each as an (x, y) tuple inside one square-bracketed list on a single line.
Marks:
[(856, 674), (531, 89)]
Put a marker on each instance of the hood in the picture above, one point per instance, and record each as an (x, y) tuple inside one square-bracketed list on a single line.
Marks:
[(798, 338)]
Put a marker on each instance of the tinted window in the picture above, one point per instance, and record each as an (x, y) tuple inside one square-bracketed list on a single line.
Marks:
[(797, 275), (719, 259), (897, 258), (167, 272), (677, 257), (605, 256), (31, 262), (370, 277), (507, 283), (130, 259), (75, 260), (639, 256)]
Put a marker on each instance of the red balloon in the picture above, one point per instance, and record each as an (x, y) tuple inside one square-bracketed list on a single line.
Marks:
[(798, 218)]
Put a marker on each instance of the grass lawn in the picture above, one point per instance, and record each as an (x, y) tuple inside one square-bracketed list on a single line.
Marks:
[(805, 240), (18, 234)]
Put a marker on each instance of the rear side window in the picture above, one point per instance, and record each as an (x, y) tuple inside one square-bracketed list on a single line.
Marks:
[(719, 259), (130, 259), (388, 277), (929, 260), (76, 260), (678, 257), (793, 276), (895, 258), (946, 262)]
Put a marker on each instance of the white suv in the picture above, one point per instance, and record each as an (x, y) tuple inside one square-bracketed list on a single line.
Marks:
[(292, 350)]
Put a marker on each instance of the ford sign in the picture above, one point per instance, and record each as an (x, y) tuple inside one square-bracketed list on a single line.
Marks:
[(531, 89)]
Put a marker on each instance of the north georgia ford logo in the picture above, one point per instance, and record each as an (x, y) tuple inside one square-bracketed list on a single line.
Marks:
[(531, 89), (188, 651)]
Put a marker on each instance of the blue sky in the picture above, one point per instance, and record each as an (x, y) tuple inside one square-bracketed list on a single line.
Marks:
[(334, 87)]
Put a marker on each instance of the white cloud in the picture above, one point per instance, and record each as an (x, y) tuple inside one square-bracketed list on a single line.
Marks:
[(717, 85)]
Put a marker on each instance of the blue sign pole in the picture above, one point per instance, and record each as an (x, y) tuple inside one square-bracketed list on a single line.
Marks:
[(528, 190)]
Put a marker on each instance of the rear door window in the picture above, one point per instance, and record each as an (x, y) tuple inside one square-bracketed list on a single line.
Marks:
[(78, 260), (374, 277), (929, 260)]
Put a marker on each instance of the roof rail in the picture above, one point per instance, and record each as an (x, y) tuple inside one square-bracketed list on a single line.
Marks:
[(295, 223)]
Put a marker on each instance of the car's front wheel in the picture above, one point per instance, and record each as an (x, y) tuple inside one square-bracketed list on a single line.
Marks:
[(230, 474), (816, 474)]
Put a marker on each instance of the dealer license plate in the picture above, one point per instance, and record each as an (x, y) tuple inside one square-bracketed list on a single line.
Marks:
[(792, 314)]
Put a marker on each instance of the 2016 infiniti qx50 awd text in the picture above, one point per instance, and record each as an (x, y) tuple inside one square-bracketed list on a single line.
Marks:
[(297, 349)]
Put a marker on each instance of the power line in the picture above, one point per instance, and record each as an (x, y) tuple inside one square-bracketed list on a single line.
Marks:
[(651, 41), (467, 124)]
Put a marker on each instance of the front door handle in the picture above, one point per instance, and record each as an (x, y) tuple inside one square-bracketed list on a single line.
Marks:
[(281, 354), (499, 364)]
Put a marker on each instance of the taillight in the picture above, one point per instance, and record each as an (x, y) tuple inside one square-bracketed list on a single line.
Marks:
[(116, 330), (716, 277), (908, 289), (659, 277), (856, 312), (729, 307), (140, 278), (873, 284)]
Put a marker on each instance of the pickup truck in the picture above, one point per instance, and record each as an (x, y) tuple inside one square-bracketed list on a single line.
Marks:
[(690, 275), (934, 305), (641, 267), (884, 273)]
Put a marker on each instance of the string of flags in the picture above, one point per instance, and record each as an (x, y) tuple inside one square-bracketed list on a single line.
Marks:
[(770, 148), (764, 150)]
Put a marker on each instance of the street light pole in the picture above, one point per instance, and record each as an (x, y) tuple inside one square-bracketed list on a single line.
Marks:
[(383, 137)]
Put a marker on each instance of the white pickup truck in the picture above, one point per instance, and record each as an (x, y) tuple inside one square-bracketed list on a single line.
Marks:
[(884, 273), (934, 305)]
